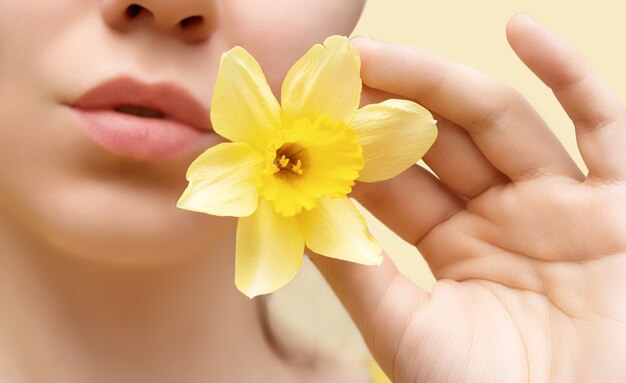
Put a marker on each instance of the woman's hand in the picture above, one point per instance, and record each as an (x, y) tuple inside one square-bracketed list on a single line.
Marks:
[(529, 254)]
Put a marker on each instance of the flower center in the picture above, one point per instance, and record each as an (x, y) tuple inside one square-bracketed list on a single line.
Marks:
[(289, 160), (316, 159)]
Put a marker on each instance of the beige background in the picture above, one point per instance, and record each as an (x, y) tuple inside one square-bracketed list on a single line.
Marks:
[(472, 32)]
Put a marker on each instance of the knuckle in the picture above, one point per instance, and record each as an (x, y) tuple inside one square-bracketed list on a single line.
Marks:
[(495, 105), (572, 70), (370, 194)]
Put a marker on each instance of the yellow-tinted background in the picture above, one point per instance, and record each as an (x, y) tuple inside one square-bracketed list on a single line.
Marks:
[(472, 32)]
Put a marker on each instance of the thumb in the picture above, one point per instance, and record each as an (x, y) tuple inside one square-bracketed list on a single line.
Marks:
[(380, 300)]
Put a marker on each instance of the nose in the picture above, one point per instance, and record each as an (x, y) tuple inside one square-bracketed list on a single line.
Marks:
[(189, 20)]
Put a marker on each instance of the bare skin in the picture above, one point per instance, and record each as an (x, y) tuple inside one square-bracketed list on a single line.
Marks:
[(529, 253)]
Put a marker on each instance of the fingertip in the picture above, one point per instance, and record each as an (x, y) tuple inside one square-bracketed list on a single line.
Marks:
[(531, 41), (522, 17), (361, 43), (358, 38), (518, 25), (365, 39), (365, 44)]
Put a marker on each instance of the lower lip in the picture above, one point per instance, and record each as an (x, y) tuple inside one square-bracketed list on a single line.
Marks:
[(138, 137)]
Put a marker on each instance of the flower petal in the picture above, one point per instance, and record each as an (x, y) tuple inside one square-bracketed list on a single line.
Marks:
[(325, 80), (394, 135), (243, 107), (336, 229), (269, 251), (223, 181)]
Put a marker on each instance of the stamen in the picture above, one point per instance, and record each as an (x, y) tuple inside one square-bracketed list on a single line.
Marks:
[(297, 168), (283, 162)]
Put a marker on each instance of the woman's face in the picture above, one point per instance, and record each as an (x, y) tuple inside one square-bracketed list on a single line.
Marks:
[(104, 198)]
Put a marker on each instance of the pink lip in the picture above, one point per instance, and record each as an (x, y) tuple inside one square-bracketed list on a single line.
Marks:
[(184, 120)]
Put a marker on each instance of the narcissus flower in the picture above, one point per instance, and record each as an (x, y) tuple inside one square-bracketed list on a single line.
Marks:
[(290, 166)]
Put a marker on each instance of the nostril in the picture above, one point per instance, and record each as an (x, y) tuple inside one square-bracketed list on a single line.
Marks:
[(189, 24), (133, 10), (191, 21)]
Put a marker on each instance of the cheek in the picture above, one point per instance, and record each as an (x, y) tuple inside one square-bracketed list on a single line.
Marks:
[(279, 32), (28, 33)]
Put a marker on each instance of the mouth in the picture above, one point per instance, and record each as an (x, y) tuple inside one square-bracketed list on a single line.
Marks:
[(139, 111), (132, 97), (145, 121)]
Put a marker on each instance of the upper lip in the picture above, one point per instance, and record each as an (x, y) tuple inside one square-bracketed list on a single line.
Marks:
[(169, 99)]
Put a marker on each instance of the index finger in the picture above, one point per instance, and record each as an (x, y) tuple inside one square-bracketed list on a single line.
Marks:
[(507, 130)]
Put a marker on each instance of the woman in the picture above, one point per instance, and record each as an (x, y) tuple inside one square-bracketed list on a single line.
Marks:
[(103, 279)]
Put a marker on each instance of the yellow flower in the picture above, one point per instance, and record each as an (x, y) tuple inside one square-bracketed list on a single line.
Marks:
[(290, 166)]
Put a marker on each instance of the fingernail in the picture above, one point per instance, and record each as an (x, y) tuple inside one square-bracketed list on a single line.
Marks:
[(366, 37)]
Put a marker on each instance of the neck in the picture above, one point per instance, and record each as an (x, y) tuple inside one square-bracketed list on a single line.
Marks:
[(68, 319)]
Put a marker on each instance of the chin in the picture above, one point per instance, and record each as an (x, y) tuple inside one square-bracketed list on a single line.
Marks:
[(126, 227)]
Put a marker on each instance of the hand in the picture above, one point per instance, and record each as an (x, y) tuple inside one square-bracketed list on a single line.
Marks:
[(529, 254)]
